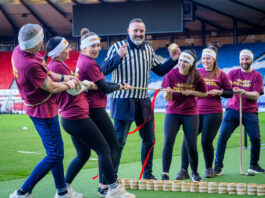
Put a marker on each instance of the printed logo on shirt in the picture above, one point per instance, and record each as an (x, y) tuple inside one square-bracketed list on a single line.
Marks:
[(242, 83), (15, 72), (210, 81), (44, 63), (182, 87)]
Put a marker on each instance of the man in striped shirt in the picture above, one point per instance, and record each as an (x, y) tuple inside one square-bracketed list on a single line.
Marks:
[(131, 61)]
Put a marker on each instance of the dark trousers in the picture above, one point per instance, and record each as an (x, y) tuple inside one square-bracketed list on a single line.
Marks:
[(86, 135), (208, 127), (229, 124), (171, 127), (103, 122), (49, 131), (146, 133)]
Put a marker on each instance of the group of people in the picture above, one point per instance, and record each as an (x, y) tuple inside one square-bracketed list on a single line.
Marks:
[(193, 97)]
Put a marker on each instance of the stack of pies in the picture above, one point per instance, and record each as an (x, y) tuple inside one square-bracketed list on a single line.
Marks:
[(167, 185), (222, 188), (134, 184), (185, 186), (231, 188), (142, 184), (176, 186), (194, 186), (203, 187), (158, 185), (241, 188), (252, 189), (125, 183), (150, 184), (261, 189), (212, 187)]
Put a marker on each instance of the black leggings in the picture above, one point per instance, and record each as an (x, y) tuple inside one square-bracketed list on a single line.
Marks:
[(209, 125), (171, 127), (103, 122), (86, 135)]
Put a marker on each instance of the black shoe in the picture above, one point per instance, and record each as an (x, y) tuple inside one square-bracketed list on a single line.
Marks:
[(102, 192), (183, 174), (218, 170), (165, 177), (149, 176), (209, 173), (256, 169), (196, 176)]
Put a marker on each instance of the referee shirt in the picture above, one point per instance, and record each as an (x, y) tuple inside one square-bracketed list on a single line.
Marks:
[(134, 69)]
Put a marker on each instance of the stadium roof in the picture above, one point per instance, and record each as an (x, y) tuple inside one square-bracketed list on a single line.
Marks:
[(211, 16)]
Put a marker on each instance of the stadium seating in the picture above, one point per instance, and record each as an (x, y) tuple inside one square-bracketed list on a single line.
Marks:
[(6, 73), (228, 57)]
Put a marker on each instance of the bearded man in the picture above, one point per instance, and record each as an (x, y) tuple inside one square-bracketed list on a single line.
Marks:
[(247, 83), (131, 61)]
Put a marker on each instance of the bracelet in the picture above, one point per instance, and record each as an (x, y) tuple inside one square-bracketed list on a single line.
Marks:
[(67, 85), (62, 78), (242, 91)]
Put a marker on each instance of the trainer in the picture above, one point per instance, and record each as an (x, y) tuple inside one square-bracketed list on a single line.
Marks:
[(36, 86), (132, 65), (247, 83)]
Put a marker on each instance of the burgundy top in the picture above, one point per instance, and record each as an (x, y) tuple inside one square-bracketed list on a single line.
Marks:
[(212, 104), (181, 104), (30, 72), (71, 107), (251, 81), (88, 69)]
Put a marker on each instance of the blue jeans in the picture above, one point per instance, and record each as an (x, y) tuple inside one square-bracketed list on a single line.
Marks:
[(49, 131), (229, 124), (148, 138)]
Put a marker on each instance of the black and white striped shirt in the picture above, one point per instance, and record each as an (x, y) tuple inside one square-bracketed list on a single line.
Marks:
[(134, 68)]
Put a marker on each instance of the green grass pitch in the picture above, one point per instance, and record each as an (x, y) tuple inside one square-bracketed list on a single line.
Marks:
[(16, 165)]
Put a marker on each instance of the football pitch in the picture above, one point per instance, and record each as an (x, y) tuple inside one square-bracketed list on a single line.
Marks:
[(21, 149)]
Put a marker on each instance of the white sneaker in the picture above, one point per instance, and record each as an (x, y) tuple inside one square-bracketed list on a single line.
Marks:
[(75, 194), (119, 192), (67, 195), (15, 195)]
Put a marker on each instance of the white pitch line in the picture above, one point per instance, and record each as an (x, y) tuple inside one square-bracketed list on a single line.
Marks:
[(93, 158), (29, 152)]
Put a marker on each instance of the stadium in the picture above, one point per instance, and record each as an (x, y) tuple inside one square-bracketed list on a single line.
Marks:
[(229, 25)]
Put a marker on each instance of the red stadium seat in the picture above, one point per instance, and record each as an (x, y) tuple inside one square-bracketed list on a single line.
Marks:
[(6, 72)]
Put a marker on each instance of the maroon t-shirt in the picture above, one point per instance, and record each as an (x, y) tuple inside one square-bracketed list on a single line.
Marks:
[(88, 69), (212, 104), (181, 104), (71, 107), (30, 72), (251, 81)]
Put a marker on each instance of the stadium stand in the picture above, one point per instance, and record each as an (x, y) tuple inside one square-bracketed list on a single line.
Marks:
[(227, 60), (6, 73)]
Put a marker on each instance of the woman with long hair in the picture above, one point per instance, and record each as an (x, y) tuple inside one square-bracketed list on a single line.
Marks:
[(184, 83)]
